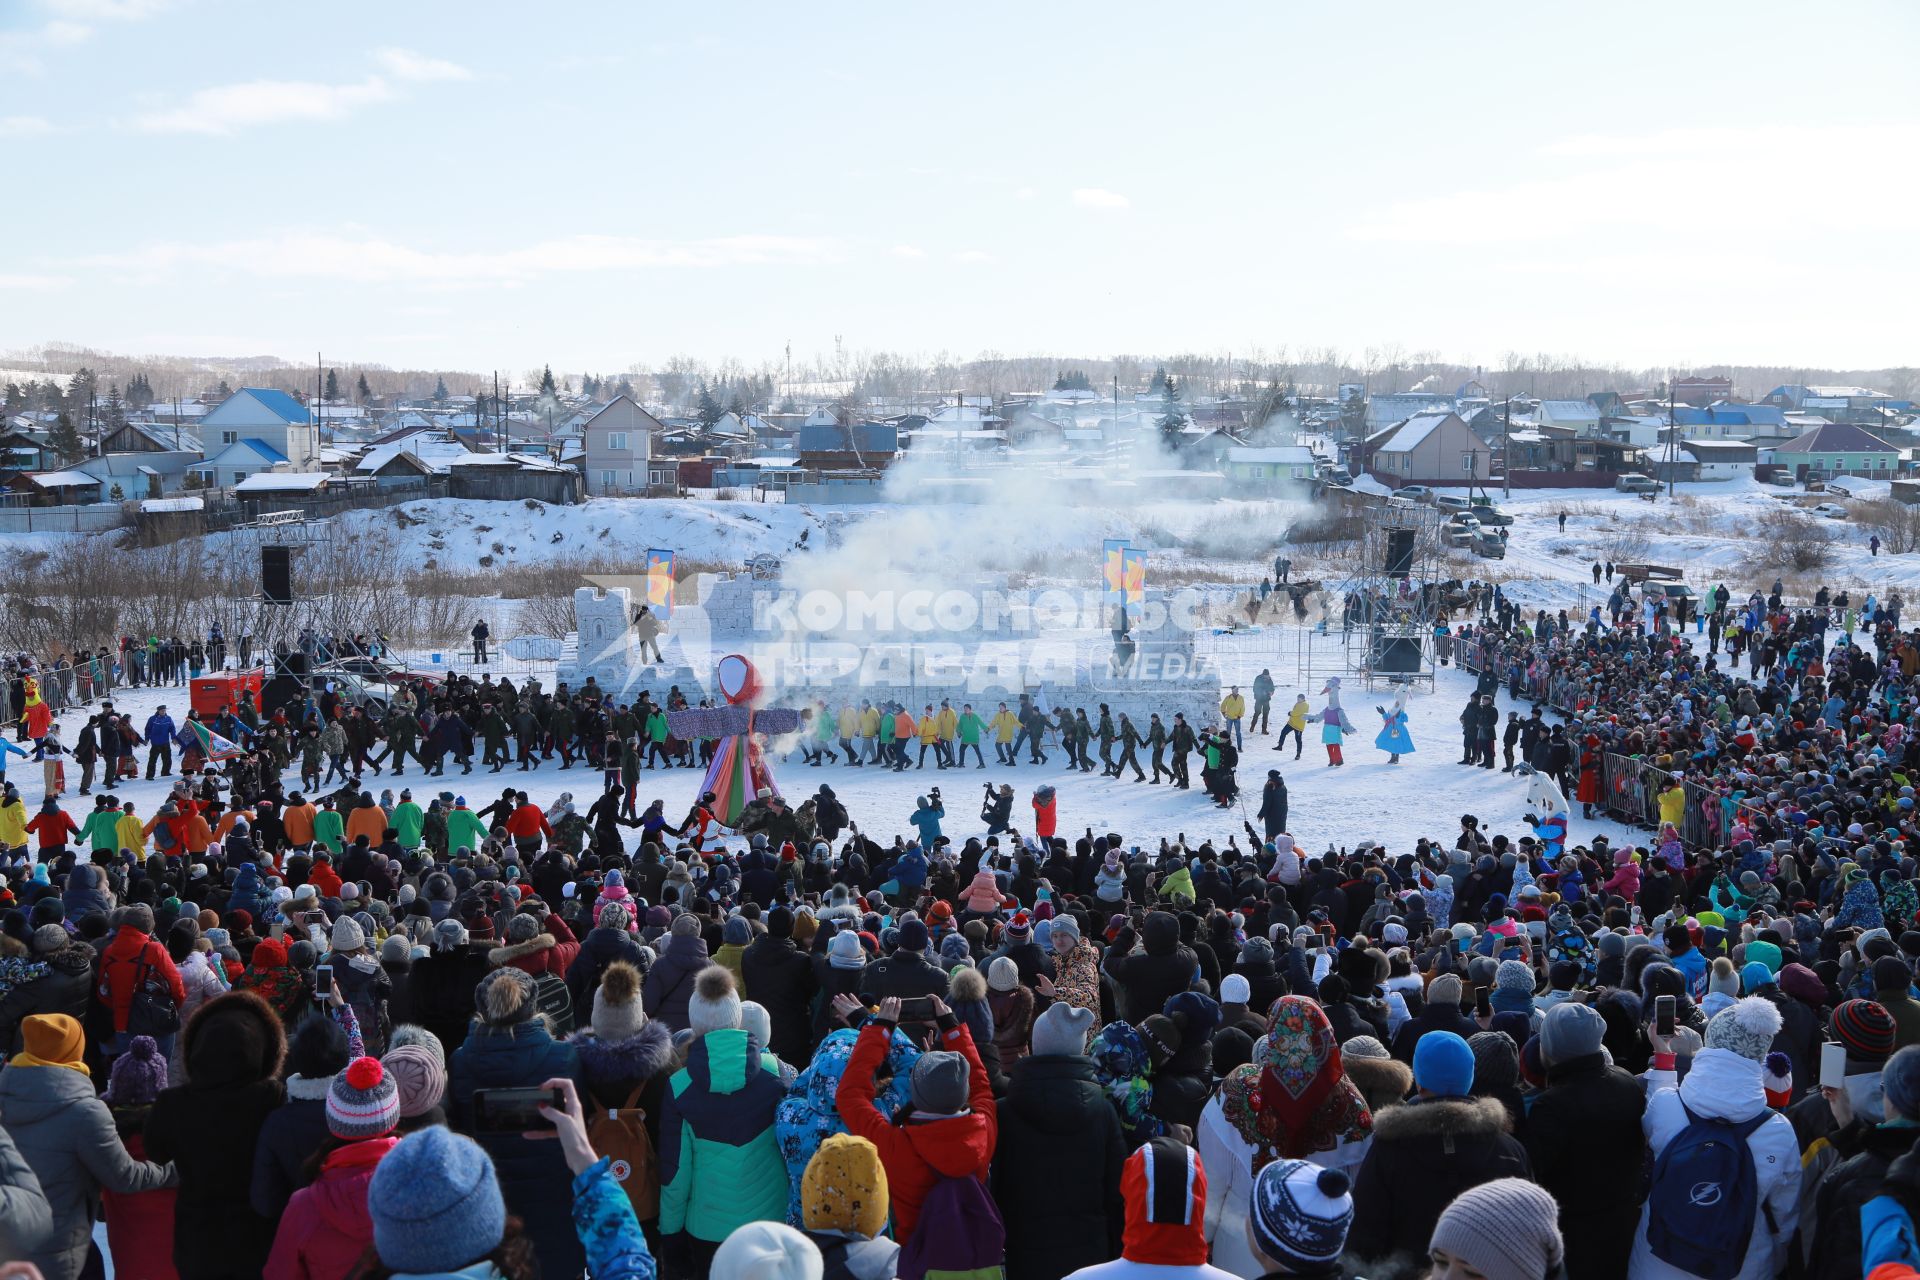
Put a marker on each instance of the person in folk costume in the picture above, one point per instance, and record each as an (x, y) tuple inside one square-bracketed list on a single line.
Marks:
[(1334, 724), (1393, 737)]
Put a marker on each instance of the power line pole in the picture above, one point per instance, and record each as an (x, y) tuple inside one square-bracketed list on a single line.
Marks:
[(1506, 452), (1673, 437)]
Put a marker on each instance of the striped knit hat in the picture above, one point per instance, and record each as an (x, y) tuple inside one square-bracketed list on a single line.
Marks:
[(1866, 1028), (363, 1101)]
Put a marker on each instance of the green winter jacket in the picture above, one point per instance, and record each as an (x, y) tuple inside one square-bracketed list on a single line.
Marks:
[(720, 1163), (409, 821), (330, 829), (465, 830)]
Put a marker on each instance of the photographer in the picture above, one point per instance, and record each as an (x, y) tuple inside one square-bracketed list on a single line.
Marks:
[(996, 809)]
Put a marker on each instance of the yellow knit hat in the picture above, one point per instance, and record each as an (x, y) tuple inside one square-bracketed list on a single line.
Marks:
[(844, 1187)]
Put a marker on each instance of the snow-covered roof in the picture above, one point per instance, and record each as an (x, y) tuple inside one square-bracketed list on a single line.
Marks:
[(1410, 433), (283, 482), (172, 504), (61, 479)]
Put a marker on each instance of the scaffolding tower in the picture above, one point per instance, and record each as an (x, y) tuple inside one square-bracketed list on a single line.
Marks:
[(1378, 622)]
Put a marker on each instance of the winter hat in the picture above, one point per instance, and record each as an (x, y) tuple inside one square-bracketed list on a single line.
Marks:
[(435, 1203), (617, 1011), (844, 1187), (418, 1078), (347, 935), (845, 951), (1164, 1187), (1003, 974), (363, 1101), (1444, 991), (49, 938), (1019, 927), (1890, 973), (505, 997), (1507, 1229), (1900, 1082), (1571, 1031), (766, 1251), (1232, 1047), (1066, 926), (1062, 1029), (737, 931), (1746, 1027), (1753, 976), (954, 951), (1235, 989), (756, 1022), (1365, 1047), (1866, 1029), (316, 1049), (1298, 1214), (684, 925), (1496, 1059), (1722, 979), (912, 936), (715, 1004), (939, 1083), (138, 1075), (1776, 1078), (1443, 1065), (449, 935)]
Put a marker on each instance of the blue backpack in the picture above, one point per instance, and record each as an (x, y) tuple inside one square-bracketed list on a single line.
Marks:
[(1700, 1207)]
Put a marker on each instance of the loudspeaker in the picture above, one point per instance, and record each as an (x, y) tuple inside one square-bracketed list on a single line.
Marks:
[(276, 575), (1396, 655), (290, 664), (282, 691), (1399, 553)]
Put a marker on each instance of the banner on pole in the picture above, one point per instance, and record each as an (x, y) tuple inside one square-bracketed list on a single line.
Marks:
[(1133, 577), (660, 582), (1113, 553)]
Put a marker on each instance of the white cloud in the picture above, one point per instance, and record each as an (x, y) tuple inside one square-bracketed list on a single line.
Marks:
[(25, 126), (1099, 198), (367, 259), (228, 108), (106, 10), (974, 256), (33, 282), (404, 64), (907, 251), (66, 33)]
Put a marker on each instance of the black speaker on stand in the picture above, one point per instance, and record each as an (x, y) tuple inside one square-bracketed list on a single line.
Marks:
[(1399, 553), (276, 574), (1396, 655)]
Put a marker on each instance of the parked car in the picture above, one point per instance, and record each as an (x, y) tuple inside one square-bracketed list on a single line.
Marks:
[(1489, 544), (1831, 510), (1672, 592), (1460, 531), (1488, 514), (354, 690), (1636, 483), (1450, 502), (1414, 492)]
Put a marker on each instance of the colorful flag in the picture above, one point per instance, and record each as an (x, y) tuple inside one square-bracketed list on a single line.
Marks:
[(660, 582), (212, 745), (1133, 577), (1113, 569)]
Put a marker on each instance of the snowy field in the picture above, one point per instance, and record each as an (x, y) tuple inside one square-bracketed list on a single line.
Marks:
[(1365, 799)]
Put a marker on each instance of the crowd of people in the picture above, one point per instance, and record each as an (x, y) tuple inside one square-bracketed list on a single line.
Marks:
[(323, 1033)]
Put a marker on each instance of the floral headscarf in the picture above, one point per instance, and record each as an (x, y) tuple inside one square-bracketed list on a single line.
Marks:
[(1120, 1063), (1294, 1098)]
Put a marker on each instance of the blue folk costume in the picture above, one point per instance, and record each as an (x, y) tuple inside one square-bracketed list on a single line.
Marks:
[(1394, 737)]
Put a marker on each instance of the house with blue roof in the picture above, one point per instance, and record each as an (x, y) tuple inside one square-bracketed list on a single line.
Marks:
[(257, 429), (1723, 420)]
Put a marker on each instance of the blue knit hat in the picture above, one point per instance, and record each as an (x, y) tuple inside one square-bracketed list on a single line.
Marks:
[(1753, 976), (435, 1203), (1443, 1065)]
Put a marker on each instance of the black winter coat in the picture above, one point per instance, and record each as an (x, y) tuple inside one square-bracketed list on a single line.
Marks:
[(288, 1137), (780, 978), (828, 983), (65, 989), (1056, 1168), (600, 948), (1147, 981), (1431, 1018), (905, 974), (208, 1128), (1423, 1155), (440, 993), (1841, 1194), (1584, 1141), (669, 984)]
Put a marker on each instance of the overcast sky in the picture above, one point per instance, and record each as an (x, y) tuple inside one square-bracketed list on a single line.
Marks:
[(472, 183)]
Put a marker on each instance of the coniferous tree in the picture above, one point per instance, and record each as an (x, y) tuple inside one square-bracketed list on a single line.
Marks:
[(547, 387), (590, 386), (362, 391), (624, 388), (1171, 419), (223, 391), (333, 385), (439, 389), (113, 412), (707, 409), (65, 440), (1158, 385)]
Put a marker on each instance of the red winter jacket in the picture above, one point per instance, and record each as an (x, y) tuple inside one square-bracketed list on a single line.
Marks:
[(326, 1226), (140, 1226), (120, 965), (551, 951), (528, 821), (917, 1155)]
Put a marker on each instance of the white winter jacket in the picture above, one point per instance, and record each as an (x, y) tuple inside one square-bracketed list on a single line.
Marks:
[(1725, 1086)]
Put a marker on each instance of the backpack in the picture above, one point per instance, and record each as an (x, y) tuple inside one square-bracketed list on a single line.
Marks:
[(959, 1234), (550, 997), (620, 1133), (150, 1008), (1700, 1207)]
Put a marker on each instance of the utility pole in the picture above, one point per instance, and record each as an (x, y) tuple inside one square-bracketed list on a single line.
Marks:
[(1506, 452), (1673, 437)]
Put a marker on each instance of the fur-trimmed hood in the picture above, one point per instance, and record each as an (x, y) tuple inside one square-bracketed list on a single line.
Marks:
[(641, 1056), (507, 954), (232, 1040), (1441, 1118), (1383, 1082)]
